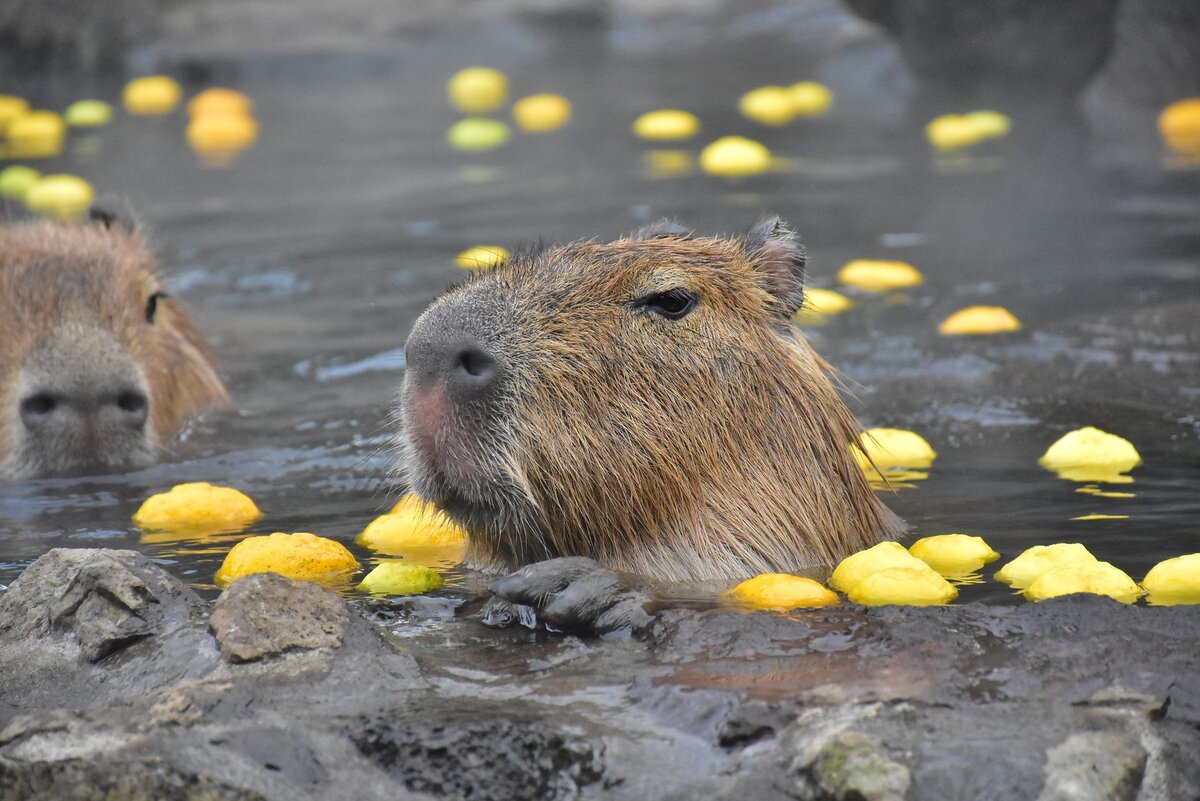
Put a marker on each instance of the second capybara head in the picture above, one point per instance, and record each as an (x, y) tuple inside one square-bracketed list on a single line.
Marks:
[(99, 367), (646, 403)]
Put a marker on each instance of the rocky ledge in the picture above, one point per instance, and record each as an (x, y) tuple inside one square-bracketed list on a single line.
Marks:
[(120, 683)]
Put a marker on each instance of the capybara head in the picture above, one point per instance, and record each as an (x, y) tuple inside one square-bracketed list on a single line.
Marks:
[(98, 365), (646, 403)]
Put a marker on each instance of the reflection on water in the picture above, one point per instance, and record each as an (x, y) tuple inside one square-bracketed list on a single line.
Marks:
[(307, 258)]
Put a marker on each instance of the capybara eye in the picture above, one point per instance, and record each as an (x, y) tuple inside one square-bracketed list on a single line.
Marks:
[(674, 304), (152, 304)]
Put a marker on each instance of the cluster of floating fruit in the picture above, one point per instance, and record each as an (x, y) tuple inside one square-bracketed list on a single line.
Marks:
[(416, 540), (482, 90), (221, 124)]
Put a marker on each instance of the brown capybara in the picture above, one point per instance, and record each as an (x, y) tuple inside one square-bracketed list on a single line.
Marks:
[(98, 366), (646, 403)]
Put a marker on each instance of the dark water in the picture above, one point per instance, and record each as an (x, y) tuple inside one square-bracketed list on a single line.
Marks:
[(307, 260)]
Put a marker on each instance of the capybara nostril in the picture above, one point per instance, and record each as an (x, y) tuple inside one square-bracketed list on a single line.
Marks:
[(134, 407), (475, 363), (37, 409)]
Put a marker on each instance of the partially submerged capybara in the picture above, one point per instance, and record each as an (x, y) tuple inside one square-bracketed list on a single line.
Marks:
[(646, 403), (98, 366)]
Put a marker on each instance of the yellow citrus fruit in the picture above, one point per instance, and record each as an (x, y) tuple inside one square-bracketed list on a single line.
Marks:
[(541, 113), (905, 586), (666, 124), (88, 114), (476, 133), (1174, 581), (400, 578), (11, 107), (477, 90), (197, 505), (222, 132), (301, 556), (821, 303), (16, 180), (151, 96), (810, 99), (219, 100), (780, 592), (875, 275), (980, 320), (482, 257), (953, 554), (38, 134), (1033, 562), (1089, 454), (62, 196), (857, 566), (411, 523), (768, 105), (1178, 124), (735, 156), (989, 124), (1095, 578), (893, 447)]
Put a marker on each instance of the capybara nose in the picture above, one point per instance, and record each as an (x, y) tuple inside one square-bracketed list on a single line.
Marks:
[(50, 410), (472, 365), (466, 367)]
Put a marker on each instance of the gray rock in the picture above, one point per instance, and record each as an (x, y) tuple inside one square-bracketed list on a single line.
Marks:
[(1094, 766), (99, 601), (266, 615)]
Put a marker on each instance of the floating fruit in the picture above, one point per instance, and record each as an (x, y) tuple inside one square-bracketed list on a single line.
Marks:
[(857, 566), (893, 447), (301, 556), (879, 276), (666, 124), (11, 107), (780, 592), (905, 586), (16, 180), (541, 113), (980, 320), (1033, 562), (62, 196), (989, 124), (956, 131), (821, 303), (482, 257), (1095, 578), (1179, 125), (151, 96), (411, 523), (476, 90), (38, 134), (810, 99), (88, 114), (218, 100), (1174, 581), (476, 133), (768, 105), (197, 505), (400, 578), (735, 156), (222, 135), (1089, 454), (953, 554)]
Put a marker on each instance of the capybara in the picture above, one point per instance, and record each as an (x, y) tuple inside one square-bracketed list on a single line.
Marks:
[(98, 365), (646, 403)]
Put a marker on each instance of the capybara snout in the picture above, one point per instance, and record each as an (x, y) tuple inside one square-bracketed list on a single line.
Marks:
[(646, 403), (98, 365)]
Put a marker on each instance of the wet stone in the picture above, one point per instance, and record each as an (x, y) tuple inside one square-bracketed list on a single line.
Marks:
[(480, 751), (98, 600), (1094, 766), (854, 767), (265, 615)]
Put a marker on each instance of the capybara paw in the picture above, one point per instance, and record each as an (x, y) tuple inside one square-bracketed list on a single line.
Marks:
[(500, 614), (570, 594)]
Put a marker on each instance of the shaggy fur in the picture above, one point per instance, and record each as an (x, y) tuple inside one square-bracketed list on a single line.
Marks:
[(706, 448), (89, 284)]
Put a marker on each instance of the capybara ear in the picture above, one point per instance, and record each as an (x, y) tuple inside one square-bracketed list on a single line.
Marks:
[(112, 211), (661, 228), (777, 256)]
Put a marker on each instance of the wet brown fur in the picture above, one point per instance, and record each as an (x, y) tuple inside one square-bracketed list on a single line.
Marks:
[(55, 275), (709, 448)]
